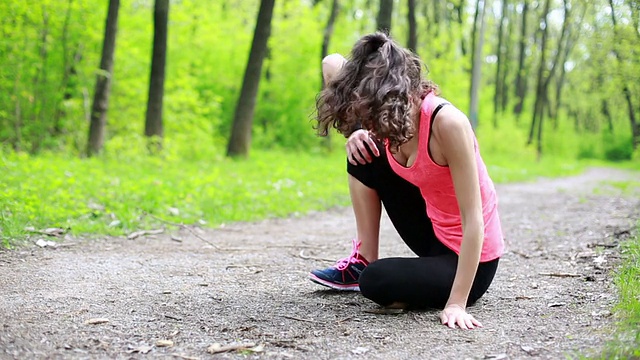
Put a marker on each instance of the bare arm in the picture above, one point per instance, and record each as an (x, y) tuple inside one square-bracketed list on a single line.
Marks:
[(454, 136)]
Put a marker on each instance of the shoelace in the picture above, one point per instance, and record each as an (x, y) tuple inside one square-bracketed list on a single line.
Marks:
[(352, 259)]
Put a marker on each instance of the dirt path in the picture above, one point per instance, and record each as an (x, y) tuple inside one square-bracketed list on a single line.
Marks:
[(253, 288)]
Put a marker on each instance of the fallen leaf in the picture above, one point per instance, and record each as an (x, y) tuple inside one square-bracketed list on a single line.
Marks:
[(496, 356), (257, 349), (44, 243), (217, 348), (114, 223), (527, 349), (360, 350), (140, 349), (164, 343), (96, 321), (385, 311), (175, 238)]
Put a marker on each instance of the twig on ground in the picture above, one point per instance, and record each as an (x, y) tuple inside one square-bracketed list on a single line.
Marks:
[(526, 256), (306, 257), (182, 226), (298, 319), (562, 275), (345, 319), (137, 234), (172, 317), (181, 356), (608, 246), (217, 348)]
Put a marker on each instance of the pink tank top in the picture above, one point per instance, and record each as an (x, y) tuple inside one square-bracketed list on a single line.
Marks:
[(436, 186)]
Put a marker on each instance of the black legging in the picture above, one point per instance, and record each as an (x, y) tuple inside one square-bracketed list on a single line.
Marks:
[(422, 282)]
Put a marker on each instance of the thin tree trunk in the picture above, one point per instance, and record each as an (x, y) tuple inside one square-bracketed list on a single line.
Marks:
[(604, 107), (385, 12), (538, 111), (504, 98), (412, 42), (499, 88), (521, 82), (39, 84), (17, 123), (153, 127), (459, 8), (476, 70), (635, 126), (103, 82), (474, 31), (68, 70), (240, 140), (326, 39), (328, 31)]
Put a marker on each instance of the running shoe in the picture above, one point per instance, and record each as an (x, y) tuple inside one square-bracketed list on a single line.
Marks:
[(344, 274)]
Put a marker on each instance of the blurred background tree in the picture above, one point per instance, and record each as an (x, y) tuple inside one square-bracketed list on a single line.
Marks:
[(562, 75)]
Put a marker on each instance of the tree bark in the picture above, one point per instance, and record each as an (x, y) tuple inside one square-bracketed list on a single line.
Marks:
[(153, 127), (476, 69), (240, 140), (384, 16), (328, 31), (521, 82), (635, 126), (412, 42), (103, 82), (499, 88), (538, 110)]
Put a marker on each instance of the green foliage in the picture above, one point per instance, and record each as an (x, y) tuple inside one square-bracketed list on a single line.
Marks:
[(626, 342), (617, 148), (111, 194)]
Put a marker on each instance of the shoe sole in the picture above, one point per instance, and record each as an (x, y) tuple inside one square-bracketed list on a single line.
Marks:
[(334, 286)]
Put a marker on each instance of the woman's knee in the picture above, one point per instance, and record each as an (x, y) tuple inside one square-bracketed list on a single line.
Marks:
[(374, 283)]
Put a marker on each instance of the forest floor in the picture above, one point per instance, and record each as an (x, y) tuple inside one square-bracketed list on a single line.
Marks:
[(193, 293)]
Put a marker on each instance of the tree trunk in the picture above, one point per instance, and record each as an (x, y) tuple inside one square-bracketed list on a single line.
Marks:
[(384, 16), (153, 128), (476, 70), (504, 98), (240, 140), (521, 82), (538, 110), (459, 8), (103, 82), (635, 126), (326, 39), (499, 88), (328, 31), (412, 42), (474, 31), (39, 85), (68, 69)]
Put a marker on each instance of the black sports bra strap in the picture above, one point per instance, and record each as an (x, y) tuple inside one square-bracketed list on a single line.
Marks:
[(435, 112)]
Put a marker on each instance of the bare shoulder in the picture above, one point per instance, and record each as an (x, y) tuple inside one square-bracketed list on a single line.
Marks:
[(450, 122)]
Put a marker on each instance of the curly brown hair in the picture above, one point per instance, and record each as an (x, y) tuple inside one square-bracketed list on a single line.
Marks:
[(374, 90)]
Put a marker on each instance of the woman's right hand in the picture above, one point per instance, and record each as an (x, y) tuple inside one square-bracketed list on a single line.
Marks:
[(357, 152)]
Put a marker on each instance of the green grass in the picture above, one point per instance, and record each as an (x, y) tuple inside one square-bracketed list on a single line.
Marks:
[(626, 339), (111, 194)]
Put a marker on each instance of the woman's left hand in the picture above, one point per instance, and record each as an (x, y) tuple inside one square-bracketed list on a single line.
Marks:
[(453, 315)]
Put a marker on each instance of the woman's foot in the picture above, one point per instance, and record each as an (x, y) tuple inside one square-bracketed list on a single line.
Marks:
[(344, 274)]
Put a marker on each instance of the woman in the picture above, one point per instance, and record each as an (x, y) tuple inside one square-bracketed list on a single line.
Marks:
[(428, 173)]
